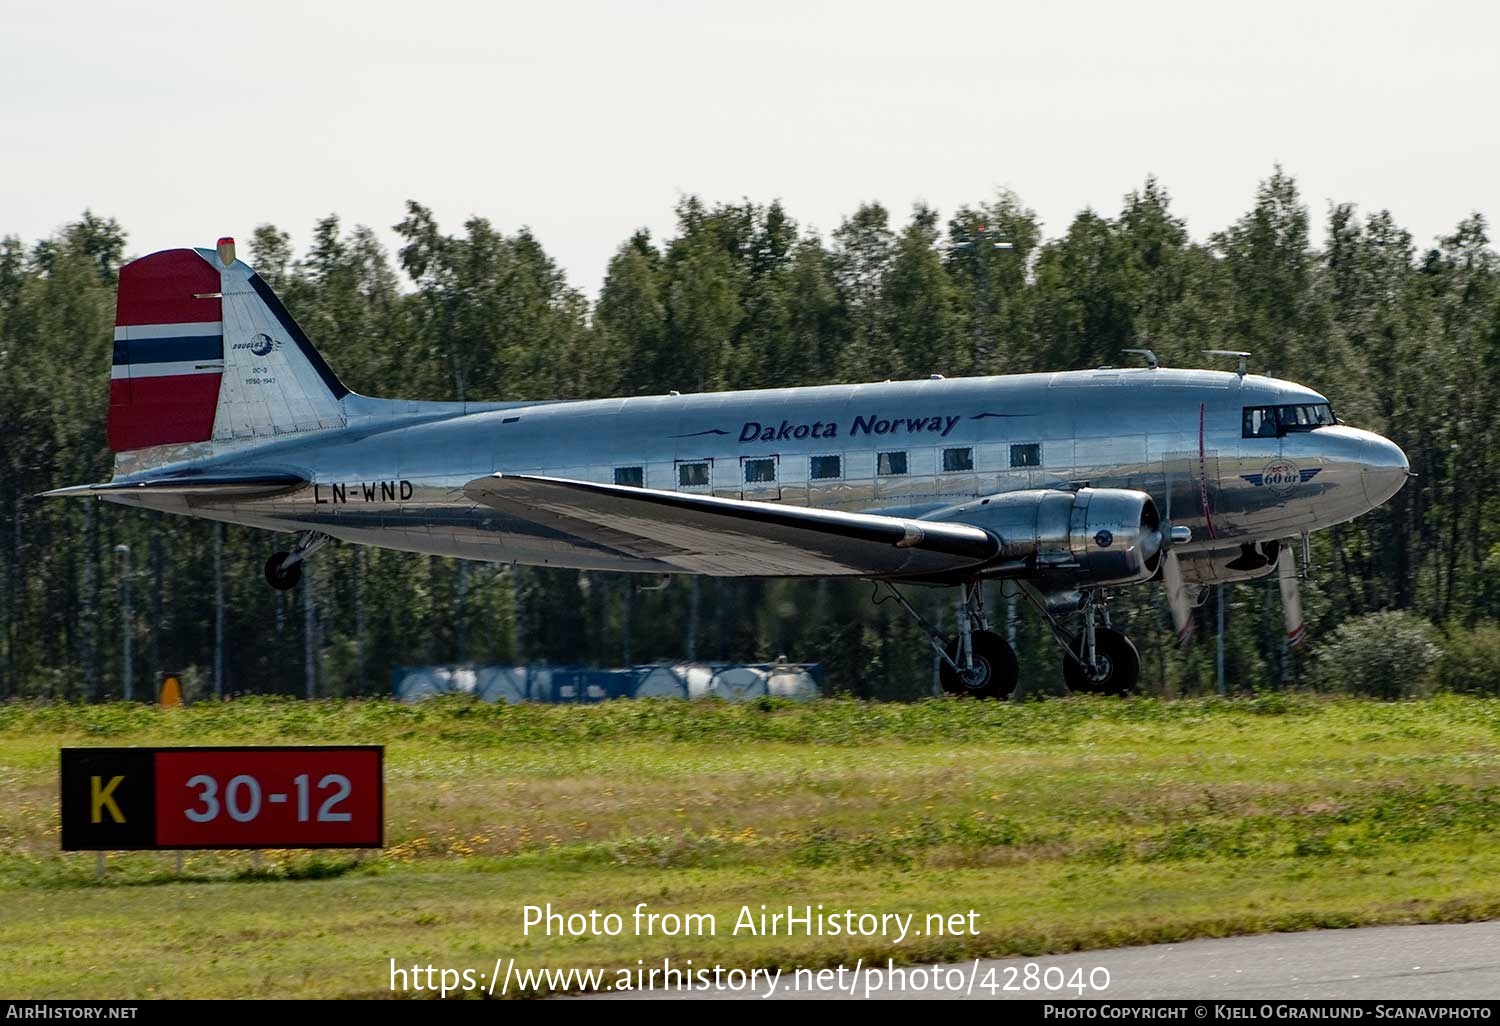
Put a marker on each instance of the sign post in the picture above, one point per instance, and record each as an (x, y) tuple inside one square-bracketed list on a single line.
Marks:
[(134, 799)]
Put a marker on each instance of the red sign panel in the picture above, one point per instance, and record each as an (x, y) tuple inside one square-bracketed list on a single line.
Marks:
[(269, 798)]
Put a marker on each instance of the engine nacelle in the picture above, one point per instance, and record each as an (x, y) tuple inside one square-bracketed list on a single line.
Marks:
[(1091, 537)]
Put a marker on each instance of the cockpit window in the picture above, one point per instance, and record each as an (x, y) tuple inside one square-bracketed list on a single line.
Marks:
[(1305, 417), (1275, 421), (1260, 422)]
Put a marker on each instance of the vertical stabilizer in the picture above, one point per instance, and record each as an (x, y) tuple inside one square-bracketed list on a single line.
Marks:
[(275, 381), (206, 353)]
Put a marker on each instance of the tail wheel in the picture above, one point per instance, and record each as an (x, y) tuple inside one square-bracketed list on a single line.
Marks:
[(994, 670), (1118, 668), (279, 575)]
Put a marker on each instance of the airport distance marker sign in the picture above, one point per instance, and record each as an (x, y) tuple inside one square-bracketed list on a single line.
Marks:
[(305, 796)]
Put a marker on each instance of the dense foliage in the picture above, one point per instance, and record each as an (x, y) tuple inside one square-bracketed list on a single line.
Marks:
[(1386, 655), (1404, 339)]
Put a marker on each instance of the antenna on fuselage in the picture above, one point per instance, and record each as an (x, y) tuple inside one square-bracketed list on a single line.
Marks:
[(1244, 367), (1151, 361)]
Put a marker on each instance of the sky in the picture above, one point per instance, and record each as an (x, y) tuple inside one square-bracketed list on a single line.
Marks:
[(586, 120)]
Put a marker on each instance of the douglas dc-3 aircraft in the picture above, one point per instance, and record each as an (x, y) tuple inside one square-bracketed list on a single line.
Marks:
[(1071, 484)]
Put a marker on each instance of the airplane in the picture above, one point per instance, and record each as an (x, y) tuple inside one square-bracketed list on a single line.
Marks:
[(1071, 484)]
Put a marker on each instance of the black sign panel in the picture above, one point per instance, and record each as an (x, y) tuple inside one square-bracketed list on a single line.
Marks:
[(256, 796), (108, 799)]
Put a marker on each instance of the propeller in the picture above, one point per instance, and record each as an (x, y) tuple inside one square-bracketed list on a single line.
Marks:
[(1182, 598), (1291, 597), (1177, 597), (1171, 573)]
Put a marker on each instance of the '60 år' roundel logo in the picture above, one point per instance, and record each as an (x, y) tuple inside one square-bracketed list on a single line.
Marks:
[(1281, 477)]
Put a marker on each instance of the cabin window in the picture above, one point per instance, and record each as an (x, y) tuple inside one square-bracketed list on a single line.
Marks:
[(760, 471), (634, 477), (825, 468), (955, 460), (692, 475), (1028, 455), (890, 464)]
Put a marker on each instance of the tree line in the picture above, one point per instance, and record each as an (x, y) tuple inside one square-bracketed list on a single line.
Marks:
[(1403, 337)]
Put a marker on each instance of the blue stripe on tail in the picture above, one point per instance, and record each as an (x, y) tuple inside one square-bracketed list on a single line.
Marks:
[(169, 350)]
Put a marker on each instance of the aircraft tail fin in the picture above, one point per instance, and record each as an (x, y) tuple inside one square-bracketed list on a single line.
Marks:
[(206, 354)]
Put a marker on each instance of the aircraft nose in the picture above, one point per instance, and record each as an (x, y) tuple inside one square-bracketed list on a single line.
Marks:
[(1385, 469)]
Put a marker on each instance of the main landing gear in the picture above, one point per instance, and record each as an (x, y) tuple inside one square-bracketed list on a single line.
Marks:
[(284, 569), (1097, 659), (1102, 661), (977, 663)]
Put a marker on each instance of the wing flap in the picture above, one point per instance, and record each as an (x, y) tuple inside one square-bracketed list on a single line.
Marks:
[(735, 537)]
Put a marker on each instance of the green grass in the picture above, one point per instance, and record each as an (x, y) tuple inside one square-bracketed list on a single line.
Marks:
[(1065, 824)]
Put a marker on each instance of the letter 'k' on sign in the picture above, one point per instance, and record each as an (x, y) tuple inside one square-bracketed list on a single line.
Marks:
[(101, 798)]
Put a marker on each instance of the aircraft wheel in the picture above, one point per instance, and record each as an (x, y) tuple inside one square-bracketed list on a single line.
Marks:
[(993, 674), (1119, 669), (279, 575)]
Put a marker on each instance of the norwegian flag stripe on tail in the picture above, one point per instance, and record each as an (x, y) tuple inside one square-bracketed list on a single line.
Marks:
[(168, 351), (155, 350)]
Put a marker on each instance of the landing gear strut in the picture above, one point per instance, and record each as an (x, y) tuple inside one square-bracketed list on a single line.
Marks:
[(284, 569), (977, 663), (1100, 660)]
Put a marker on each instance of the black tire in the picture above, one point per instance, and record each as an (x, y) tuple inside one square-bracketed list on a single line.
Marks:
[(1121, 665), (280, 576), (994, 674)]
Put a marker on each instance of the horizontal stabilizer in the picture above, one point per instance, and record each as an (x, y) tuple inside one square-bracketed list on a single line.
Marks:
[(218, 486), (733, 537)]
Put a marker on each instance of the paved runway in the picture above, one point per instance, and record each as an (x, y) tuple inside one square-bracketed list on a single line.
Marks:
[(1382, 962)]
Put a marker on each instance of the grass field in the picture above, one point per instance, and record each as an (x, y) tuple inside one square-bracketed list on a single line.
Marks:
[(1063, 824)]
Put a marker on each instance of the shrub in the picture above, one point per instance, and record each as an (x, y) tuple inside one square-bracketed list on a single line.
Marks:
[(1387, 655), (1471, 660)]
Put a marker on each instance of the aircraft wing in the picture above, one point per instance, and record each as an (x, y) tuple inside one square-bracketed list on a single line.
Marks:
[(734, 537)]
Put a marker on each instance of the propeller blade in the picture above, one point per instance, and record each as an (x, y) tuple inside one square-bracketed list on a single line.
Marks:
[(1291, 597), (1177, 597), (1153, 542), (1171, 571)]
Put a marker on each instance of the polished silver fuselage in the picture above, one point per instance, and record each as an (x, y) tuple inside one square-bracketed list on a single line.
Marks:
[(395, 475)]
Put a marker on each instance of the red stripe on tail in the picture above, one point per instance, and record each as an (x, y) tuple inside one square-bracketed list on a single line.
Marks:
[(175, 286), (159, 289), (165, 411)]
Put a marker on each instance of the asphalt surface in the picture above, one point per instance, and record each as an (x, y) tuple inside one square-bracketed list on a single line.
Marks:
[(1382, 962)]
